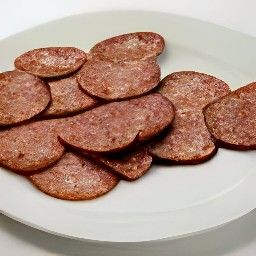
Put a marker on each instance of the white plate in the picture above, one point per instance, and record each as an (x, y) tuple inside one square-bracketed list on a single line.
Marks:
[(168, 202)]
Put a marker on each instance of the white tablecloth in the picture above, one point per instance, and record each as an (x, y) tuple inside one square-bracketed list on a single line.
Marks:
[(234, 239)]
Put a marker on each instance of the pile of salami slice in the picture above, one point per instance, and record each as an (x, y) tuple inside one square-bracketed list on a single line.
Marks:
[(75, 123)]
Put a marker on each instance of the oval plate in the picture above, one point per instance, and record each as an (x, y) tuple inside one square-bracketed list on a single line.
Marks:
[(169, 201)]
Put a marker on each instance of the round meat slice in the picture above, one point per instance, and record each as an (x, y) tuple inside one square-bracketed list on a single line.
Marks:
[(22, 96), (188, 141), (51, 61), (75, 177), (129, 47), (129, 165), (32, 146), (113, 81), (68, 98), (232, 119), (190, 90), (117, 125)]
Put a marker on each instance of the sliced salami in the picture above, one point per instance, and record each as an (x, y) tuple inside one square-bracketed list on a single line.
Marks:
[(188, 141), (113, 81), (129, 47), (75, 177), (115, 126), (51, 61), (129, 165), (22, 96), (232, 119), (68, 98), (31, 147), (189, 90)]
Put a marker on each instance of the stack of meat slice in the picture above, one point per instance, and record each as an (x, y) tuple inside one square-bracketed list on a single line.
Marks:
[(232, 119), (189, 140), (75, 124), (83, 155)]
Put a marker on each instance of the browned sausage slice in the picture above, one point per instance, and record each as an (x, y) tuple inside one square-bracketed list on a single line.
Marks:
[(67, 98), (232, 119), (31, 147), (130, 165), (188, 141), (75, 177), (22, 96), (129, 47), (117, 125), (51, 61), (112, 81), (192, 90)]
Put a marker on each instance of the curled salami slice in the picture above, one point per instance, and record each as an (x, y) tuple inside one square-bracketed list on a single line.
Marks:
[(51, 61), (75, 177), (232, 119), (67, 98), (111, 81), (188, 141), (117, 125), (22, 96), (130, 165), (31, 147), (129, 47)]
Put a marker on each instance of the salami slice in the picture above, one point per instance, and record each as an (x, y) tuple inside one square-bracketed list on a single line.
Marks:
[(75, 177), (31, 147), (189, 90), (113, 81), (68, 98), (129, 47), (188, 141), (22, 96), (129, 165), (51, 61), (232, 119), (117, 125)]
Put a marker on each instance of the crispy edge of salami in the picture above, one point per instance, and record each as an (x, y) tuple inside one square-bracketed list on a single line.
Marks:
[(75, 177), (235, 130), (112, 81), (127, 45), (51, 62), (106, 128), (15, 147), (37, 108)]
